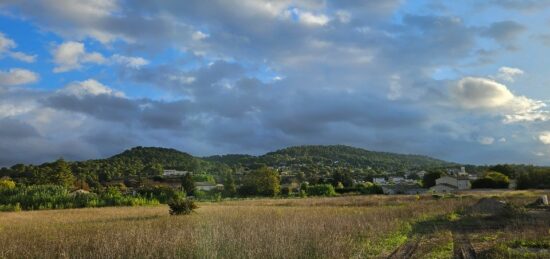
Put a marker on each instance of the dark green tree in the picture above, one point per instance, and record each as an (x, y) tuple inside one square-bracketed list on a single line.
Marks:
[(262, 181), (61, 173), (429, 178), (492, 180), (342, 176), (229, 188), (188, 184)]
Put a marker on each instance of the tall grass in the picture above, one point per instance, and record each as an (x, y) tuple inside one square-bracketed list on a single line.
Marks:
[(339, 227)]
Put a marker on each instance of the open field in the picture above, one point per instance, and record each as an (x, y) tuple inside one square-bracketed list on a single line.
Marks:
[(342, 227)]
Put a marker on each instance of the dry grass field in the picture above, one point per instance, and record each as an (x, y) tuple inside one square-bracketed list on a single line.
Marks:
[(342, 227)]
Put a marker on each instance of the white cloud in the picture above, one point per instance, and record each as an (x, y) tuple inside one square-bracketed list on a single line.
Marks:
[(480, 93), (508, 74), (307, 18), (476, 93), (544, 137), (6, 43), (486, 140), (89, 87), (199, 35), (70, 55), (6, 46), (17, 76), (23, 57), (131, 62)]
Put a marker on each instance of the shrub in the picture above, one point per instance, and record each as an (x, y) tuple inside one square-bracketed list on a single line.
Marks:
[(492, 180), (321, 190), (285, 191), (7, 184), (181, 206)]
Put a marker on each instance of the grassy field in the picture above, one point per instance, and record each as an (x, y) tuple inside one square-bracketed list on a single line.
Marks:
[(341, 227)]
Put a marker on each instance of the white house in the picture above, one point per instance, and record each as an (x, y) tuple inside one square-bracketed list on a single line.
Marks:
[(172, 172), (449, 183), (397, 179), (403, 188), (207, 186), (379, 180), (443, 188)]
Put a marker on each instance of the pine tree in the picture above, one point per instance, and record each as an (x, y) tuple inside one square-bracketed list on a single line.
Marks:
[(230, 189), (188, 184), (61, 174)]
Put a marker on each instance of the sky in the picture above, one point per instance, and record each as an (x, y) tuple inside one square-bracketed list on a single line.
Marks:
[(464, 81)]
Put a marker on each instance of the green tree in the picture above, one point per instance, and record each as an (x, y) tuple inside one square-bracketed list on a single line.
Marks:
[(188, 184), (229, 188), (429, 178), (505, 169), (342, 177), (61, 173), (262, 181), (492, 180)]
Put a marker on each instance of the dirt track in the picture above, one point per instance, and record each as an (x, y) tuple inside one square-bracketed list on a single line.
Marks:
[(462, 247), (406, 250)]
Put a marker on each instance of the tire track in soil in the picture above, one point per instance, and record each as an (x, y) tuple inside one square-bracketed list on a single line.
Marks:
[(405, 251), (463, 248)]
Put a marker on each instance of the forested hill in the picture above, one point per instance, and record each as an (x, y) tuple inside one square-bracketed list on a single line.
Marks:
[(166, 157), (335, 155), (151, 161)]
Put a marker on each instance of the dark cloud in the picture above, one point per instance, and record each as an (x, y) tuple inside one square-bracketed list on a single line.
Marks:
[(504, 32)]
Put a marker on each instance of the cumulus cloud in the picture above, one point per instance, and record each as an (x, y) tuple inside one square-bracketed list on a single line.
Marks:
[(130, 62), (476, 93), (544, 137), (508, 74), (89, 87), (480, 93), (17, 76), (310, 18), (6, 46), (70, 55)]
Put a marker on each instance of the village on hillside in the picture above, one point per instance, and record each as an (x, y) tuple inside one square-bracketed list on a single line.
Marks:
[(453, 180)]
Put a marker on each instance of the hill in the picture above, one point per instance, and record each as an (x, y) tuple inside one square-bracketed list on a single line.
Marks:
[(166, 157), (314, 161), (334, 156)]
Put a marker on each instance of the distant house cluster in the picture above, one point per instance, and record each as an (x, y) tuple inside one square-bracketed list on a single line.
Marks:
[(173, 172)]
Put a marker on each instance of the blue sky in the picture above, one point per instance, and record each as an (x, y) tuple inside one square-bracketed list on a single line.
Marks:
[(466, 81)]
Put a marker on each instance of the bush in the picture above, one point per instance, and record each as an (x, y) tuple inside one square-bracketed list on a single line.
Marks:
[(321, 190), (39, 197), (181, 206), (7, 184), (285, 191), (492, 180)]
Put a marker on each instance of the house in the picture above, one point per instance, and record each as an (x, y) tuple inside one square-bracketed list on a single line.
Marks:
[(449, 184), (443, 188), (379, 180), (397, 179), (172, 172), (207, 186), (403, 188), (421, 174)]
